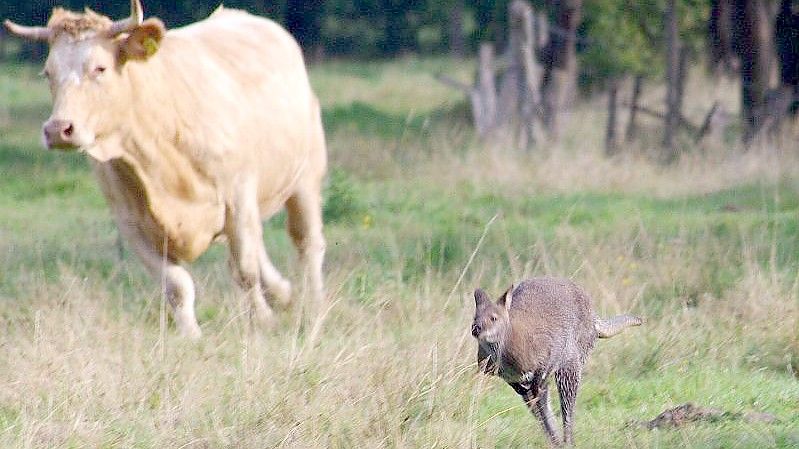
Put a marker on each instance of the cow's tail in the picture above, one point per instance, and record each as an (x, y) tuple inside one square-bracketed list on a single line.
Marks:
[(608, 327)]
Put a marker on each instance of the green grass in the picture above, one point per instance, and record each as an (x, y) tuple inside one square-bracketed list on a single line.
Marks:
[(707, 250)]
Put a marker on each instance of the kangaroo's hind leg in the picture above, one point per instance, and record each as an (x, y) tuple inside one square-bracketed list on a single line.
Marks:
[(536, 395), (568, 382)]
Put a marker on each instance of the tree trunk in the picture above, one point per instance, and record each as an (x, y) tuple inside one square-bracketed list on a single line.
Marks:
[(522, 23), (707, 123), (519, 83), (672, 81), (515, 105), (484, 16), (541, 32), (560, 64), (719, 36), (682, 77), (510, 81), (611, 142), (457, 44), (484, 96), (786, 40), (303, 20), (632, 125), (752, 43)]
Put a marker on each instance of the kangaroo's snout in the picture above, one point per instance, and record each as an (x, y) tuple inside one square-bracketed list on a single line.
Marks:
[(476, 329)]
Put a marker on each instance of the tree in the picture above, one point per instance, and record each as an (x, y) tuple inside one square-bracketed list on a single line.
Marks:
[(506, 97), (752, 43), (457, 44), (786, 39), (490, 20), (560, 63), (719, 36), (303, 20), (400, 19), (672, 41)]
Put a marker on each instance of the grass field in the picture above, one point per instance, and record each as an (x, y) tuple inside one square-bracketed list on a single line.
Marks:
[(707, 250)]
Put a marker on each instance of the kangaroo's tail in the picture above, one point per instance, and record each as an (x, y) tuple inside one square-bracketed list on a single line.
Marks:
[(606, 328)]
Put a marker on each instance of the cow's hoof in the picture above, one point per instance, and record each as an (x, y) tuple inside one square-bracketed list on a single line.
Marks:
[(265, 318), (280, 294), (190, 332)]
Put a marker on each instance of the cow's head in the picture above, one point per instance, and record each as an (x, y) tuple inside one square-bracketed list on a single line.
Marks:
[(85, 68)]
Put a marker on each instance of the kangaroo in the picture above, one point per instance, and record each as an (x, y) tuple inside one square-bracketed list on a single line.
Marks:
[(543, 326)]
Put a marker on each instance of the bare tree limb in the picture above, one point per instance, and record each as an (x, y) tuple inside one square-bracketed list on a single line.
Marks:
[(452, 82), (705, 128), (684, 122)]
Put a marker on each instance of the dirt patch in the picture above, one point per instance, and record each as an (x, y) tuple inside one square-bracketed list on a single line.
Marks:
[(688, 412)]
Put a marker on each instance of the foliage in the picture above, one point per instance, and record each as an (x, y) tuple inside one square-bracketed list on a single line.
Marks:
[(623, 37), (620, 35), (342, 198)]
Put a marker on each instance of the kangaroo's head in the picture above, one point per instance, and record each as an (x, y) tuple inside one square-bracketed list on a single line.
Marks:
[(491, 320)]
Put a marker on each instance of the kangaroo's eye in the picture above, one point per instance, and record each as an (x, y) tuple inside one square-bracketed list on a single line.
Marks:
[(493, 318), (99, 70)]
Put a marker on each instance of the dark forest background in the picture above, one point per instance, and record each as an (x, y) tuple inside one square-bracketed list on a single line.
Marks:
[(594, 44), (386, 28)]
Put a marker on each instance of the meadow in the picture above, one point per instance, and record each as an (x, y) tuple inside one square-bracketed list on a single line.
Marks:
[(418, 214)]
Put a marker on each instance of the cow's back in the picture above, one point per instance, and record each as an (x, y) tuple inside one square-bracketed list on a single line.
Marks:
[(222, 112), (243, 103)]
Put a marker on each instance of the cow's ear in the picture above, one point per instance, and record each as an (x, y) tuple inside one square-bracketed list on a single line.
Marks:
[(143, 41)]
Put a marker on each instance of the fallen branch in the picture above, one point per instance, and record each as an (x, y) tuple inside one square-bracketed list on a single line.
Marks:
[(705, 128), (452, 82), (688, 412), (657, 114)]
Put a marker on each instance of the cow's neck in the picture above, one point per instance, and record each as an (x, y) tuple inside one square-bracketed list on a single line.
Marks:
[(157, 129), (154, 113), (155, 160)]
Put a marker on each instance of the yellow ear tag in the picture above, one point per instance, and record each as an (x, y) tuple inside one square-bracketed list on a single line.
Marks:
[(150, 46)]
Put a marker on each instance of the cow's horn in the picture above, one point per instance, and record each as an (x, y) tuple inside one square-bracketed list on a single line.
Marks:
[(26, 32), (135, 19)]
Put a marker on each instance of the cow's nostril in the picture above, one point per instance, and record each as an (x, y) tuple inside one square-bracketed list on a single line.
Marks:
[(69, 130)]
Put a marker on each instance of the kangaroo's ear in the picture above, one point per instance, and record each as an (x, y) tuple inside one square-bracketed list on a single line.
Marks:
[(480, 297), (506, 299)]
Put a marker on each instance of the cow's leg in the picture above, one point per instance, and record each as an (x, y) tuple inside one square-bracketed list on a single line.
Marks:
[(245, 235), (273, 283), (177, 283), (305, 227)]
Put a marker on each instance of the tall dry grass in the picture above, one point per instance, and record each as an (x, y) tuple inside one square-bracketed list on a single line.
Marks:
[(81, 370)]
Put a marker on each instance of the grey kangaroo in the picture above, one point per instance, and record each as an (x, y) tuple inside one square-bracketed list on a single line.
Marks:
[(543, 326)]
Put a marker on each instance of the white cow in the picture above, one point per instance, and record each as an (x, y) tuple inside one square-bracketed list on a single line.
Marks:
[(193, 133)]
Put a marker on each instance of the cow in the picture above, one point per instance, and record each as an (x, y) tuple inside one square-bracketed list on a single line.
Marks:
[(194, 134)]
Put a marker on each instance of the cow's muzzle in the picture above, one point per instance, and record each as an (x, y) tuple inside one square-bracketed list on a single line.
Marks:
[(59, 134)]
